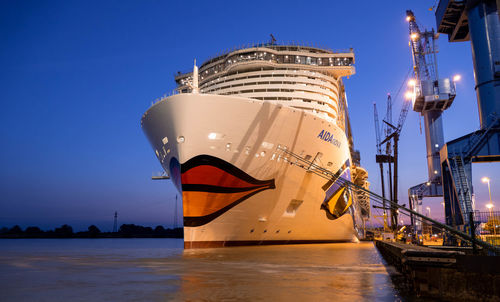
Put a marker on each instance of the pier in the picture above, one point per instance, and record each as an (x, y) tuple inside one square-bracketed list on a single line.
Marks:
[(443, 274)]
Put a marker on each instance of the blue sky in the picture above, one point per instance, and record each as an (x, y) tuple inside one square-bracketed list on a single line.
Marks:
[(76, 77)]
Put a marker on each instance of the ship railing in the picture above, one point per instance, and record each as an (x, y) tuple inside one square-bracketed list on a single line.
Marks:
[(165, 95), (292, 44)]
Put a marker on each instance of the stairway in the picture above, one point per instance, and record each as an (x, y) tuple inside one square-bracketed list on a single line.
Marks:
[(462, 185)]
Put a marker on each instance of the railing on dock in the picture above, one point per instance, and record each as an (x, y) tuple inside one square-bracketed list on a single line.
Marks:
[(487, 226)]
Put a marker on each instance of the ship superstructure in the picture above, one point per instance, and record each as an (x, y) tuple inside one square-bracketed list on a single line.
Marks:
[(226, 138), (302, 77)]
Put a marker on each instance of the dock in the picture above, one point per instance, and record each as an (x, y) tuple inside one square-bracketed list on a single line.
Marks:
[(443, 275)]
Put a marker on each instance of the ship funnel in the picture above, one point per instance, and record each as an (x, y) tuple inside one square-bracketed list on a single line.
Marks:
[(195, 78)]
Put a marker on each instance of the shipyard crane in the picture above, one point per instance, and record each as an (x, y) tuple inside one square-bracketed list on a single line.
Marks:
[(377, 129), (393, 133), (388, 147), (380, 159), (422, 45), (388, 114), (430, 97)]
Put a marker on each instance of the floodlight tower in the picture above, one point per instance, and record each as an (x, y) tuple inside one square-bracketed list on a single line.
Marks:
[(431, 96)]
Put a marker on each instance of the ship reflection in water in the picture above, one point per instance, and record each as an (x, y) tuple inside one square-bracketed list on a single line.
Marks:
[(160, 270)]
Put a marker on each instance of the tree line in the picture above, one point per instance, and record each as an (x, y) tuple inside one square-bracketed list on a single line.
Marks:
[(66, 231)]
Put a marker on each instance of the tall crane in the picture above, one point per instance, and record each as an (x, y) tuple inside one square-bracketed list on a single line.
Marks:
[(380, 159), (390, 156), (394, 133), (431, 96), (377, 129), (388, 114)]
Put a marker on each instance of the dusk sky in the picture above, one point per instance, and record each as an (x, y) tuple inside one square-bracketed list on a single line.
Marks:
[(76, 76)]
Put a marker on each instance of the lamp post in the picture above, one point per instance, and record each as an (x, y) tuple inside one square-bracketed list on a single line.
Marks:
[(493, 223), (487, 180), (490, 205)]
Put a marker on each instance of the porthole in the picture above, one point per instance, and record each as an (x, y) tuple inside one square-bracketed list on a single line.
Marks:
[(180, 139)]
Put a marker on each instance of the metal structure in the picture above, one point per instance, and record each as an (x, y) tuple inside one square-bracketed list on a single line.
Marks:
[(381, 158), (431, 96), (477, 21), (390, 156), (393, 133), (488, 226), (311, 167)]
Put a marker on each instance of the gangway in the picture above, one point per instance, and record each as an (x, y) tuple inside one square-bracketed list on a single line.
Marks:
[(311, 167)]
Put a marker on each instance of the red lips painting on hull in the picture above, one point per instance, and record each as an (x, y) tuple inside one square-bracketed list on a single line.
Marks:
[(212, 186)]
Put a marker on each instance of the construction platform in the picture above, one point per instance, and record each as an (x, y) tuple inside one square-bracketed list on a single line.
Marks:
[(441, 274)]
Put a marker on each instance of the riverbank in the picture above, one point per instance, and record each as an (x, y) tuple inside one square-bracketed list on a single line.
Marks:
[(66, 232)]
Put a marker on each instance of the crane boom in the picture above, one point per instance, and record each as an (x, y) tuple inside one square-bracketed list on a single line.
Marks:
[(403, 114), (388, 115), (423, 50), (377, 128)]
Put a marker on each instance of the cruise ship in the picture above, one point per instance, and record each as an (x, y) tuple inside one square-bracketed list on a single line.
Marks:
[(247, 140)]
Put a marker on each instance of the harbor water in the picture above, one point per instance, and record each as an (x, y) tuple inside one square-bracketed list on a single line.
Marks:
[(161, 270)]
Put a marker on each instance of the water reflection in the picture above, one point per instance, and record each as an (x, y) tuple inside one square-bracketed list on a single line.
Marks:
[(160, 270), (333, 272)]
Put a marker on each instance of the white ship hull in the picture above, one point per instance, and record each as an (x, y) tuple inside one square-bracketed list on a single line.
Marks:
[(237, 187)]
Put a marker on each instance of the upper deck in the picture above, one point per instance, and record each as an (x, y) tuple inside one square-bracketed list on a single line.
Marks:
[(303, 77), (333, 63)]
